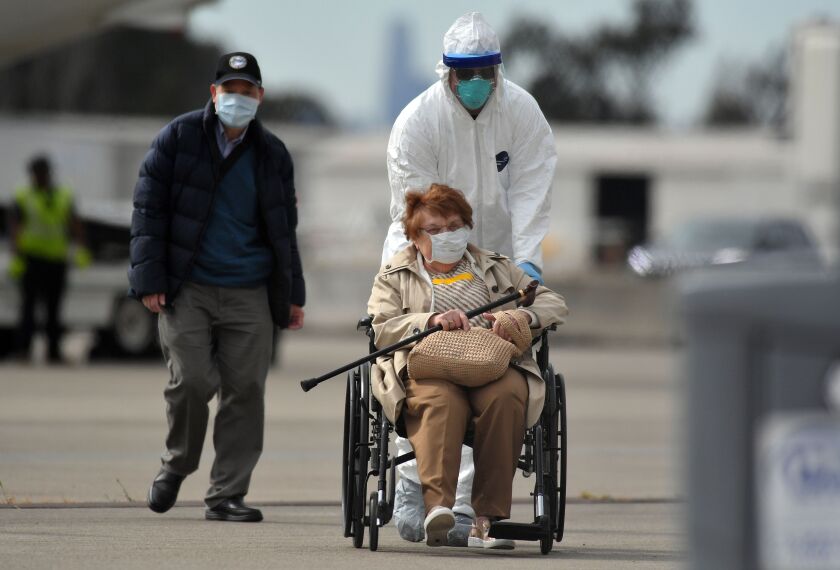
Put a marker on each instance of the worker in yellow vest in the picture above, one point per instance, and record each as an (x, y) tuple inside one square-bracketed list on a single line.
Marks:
[(43, 221)]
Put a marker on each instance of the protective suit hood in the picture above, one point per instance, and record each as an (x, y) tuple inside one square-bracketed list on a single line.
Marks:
[(470, 42)]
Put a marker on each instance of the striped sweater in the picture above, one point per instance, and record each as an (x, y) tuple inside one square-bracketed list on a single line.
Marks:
[(461, 288)]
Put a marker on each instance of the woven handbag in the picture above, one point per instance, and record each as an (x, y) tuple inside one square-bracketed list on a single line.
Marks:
[(469, 358)]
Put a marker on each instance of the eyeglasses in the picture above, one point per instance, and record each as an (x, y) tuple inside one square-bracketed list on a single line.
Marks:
[(467, 73), (435, 230)]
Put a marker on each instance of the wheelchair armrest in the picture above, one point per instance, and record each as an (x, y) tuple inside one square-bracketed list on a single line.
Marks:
[(364, 323), (544, 334)]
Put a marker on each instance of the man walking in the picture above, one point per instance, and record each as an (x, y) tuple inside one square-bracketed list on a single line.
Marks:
[(214, 252)]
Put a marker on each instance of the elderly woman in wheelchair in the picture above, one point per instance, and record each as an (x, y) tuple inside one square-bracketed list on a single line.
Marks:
[(433, 282)]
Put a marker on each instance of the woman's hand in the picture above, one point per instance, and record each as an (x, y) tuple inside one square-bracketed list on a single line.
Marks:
[(498, 330), (451, 320)]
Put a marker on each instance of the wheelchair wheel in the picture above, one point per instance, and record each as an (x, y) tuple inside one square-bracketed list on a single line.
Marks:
[(349, 444), (561, 416), (549, 459), (555, 450), (355, 483), (374, 522), (546, 543), (362, 377)]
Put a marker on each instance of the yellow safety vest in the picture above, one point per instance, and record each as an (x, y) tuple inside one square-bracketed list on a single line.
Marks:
[(46, 217)]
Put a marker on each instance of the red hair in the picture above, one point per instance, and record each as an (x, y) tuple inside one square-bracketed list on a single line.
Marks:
[(440, 199)]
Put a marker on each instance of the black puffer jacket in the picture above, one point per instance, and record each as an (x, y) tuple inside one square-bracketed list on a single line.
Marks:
[(174, 197)]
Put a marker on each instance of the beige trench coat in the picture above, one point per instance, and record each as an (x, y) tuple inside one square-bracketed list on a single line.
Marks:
[(400, 304)]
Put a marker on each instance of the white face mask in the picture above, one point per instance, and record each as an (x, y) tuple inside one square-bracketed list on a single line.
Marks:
[(449, 247), (235, 110)]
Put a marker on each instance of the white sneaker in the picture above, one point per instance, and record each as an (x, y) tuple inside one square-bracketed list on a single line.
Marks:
[(491, 543), (479, 539), (437, 525)]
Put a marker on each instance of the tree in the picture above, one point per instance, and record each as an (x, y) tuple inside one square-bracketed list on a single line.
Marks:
[(750, 93), (605, 75)]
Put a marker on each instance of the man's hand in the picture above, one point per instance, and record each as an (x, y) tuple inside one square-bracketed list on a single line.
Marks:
[(82, 258), (451, 320), (17, 267), (155, 302), (295, 317)]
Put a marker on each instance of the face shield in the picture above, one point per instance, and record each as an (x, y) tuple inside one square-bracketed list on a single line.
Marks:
[(471, 52), (468, 73)]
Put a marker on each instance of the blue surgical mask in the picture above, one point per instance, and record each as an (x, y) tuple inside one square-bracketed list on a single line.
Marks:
[(475, 92), (449, 247), (235, 110)]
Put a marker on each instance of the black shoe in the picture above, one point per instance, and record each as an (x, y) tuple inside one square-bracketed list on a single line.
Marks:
[(164, 491), (233, 510)]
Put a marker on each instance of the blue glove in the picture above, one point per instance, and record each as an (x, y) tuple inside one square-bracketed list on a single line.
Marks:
[(532, 271)]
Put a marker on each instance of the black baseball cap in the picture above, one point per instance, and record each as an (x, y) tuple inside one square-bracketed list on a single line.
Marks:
[(238, 65)]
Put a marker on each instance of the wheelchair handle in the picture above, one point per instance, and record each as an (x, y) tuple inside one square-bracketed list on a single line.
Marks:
[(524, 296)]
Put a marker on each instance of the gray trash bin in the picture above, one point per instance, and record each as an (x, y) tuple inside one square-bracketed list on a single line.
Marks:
[(759, 357)]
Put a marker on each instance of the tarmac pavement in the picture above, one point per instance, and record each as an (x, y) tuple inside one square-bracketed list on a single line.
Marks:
[(80, 443), (631, 535)]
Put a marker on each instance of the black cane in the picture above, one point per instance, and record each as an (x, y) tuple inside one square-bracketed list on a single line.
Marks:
[(525, 296)]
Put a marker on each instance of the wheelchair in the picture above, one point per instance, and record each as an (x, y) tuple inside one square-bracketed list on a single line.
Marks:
[(365, 455)]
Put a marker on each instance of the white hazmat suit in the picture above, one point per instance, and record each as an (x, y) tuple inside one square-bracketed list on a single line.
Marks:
[(503, 161)]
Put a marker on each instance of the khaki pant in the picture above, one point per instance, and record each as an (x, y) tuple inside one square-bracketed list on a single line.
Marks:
[(437, 413), (216, 340)]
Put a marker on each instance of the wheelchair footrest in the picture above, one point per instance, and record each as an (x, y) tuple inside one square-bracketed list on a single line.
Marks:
[(521, 531)]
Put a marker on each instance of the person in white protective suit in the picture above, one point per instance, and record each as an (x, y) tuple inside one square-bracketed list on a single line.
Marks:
[(476, 131)]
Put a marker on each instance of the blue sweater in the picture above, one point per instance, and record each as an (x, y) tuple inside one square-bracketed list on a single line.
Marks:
[(173, 202), (232, 252)]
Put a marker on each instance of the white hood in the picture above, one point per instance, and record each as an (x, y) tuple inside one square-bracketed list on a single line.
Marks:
[(469, 35)]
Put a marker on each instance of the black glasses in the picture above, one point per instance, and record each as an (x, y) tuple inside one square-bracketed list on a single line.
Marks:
[(435, 230), (467, 73)]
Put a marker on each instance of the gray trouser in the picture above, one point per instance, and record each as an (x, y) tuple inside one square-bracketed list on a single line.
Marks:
[(216, 340)]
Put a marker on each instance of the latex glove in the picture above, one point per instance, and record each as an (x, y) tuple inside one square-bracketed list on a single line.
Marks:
[(82, 258), (532, 271), (17, 267)]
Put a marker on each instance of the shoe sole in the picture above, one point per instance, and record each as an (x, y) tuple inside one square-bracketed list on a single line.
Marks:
[(437, 531), (210, 516), (491, 543)]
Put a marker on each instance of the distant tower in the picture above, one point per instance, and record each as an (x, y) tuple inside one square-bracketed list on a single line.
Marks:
[(402, 84), (816, 125)]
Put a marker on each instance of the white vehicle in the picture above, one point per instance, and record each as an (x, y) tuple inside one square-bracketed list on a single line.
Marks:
[(96, 298)]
